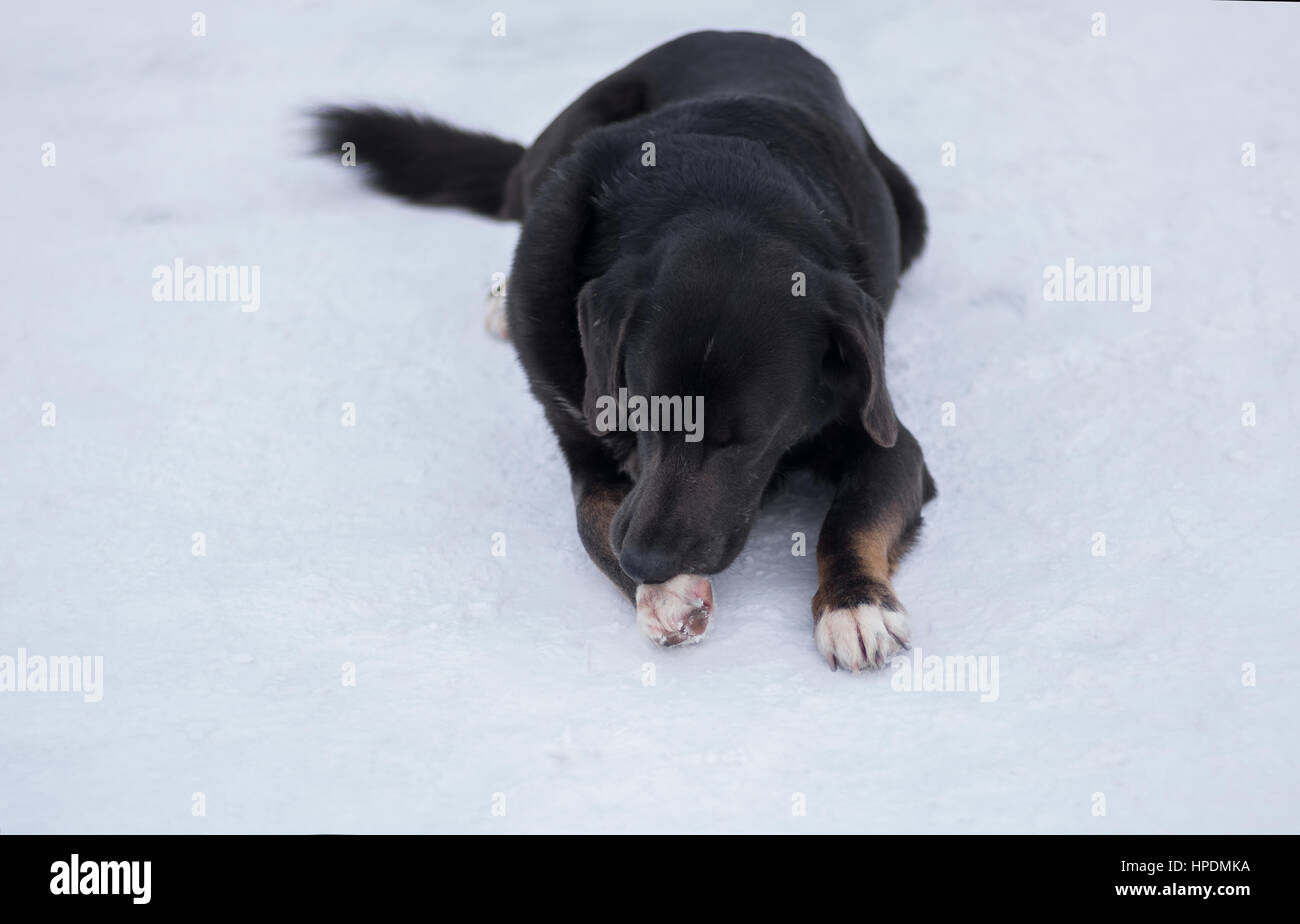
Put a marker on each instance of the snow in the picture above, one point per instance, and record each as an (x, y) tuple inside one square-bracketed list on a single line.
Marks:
[(521, 681)]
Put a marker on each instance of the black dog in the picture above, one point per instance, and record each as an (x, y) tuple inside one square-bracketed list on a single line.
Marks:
[(711, 221)]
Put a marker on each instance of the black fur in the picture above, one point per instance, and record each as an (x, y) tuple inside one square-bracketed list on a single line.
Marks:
[(678, 278), (421, 159)]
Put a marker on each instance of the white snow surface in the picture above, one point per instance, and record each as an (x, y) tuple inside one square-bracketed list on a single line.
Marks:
[(520, 681)]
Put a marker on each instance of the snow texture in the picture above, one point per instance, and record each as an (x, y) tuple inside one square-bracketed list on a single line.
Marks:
[(521, 682)]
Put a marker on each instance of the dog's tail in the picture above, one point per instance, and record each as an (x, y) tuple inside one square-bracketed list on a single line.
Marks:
[(421, 159)]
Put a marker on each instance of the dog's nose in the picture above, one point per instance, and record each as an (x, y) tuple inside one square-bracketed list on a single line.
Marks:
[(647, 566)]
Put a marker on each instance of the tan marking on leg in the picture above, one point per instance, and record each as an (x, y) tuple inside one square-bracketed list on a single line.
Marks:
[(596, 512), (858, 622), (873, 547), (872, 552), (880, 547)]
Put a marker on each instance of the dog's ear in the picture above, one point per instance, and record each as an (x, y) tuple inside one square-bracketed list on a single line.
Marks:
[(602, 327), (857, 352)]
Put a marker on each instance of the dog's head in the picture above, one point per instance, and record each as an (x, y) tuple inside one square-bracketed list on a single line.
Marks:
[(737, 348)]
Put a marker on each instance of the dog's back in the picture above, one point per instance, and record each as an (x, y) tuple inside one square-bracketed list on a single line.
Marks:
[(426, 161)]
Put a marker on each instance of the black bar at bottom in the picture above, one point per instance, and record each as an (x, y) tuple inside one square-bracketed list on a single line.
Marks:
[(239, 872)]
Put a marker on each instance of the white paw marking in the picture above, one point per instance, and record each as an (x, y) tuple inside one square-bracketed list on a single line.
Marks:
[(675, 612), (860, 637), (495, 322)]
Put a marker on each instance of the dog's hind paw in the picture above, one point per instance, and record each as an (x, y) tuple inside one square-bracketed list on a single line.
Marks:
[(863, 636), (675, 612), (495, 322)]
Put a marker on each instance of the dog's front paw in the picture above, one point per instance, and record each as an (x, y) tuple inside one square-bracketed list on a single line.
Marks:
[(862, 636), (675, 612)]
